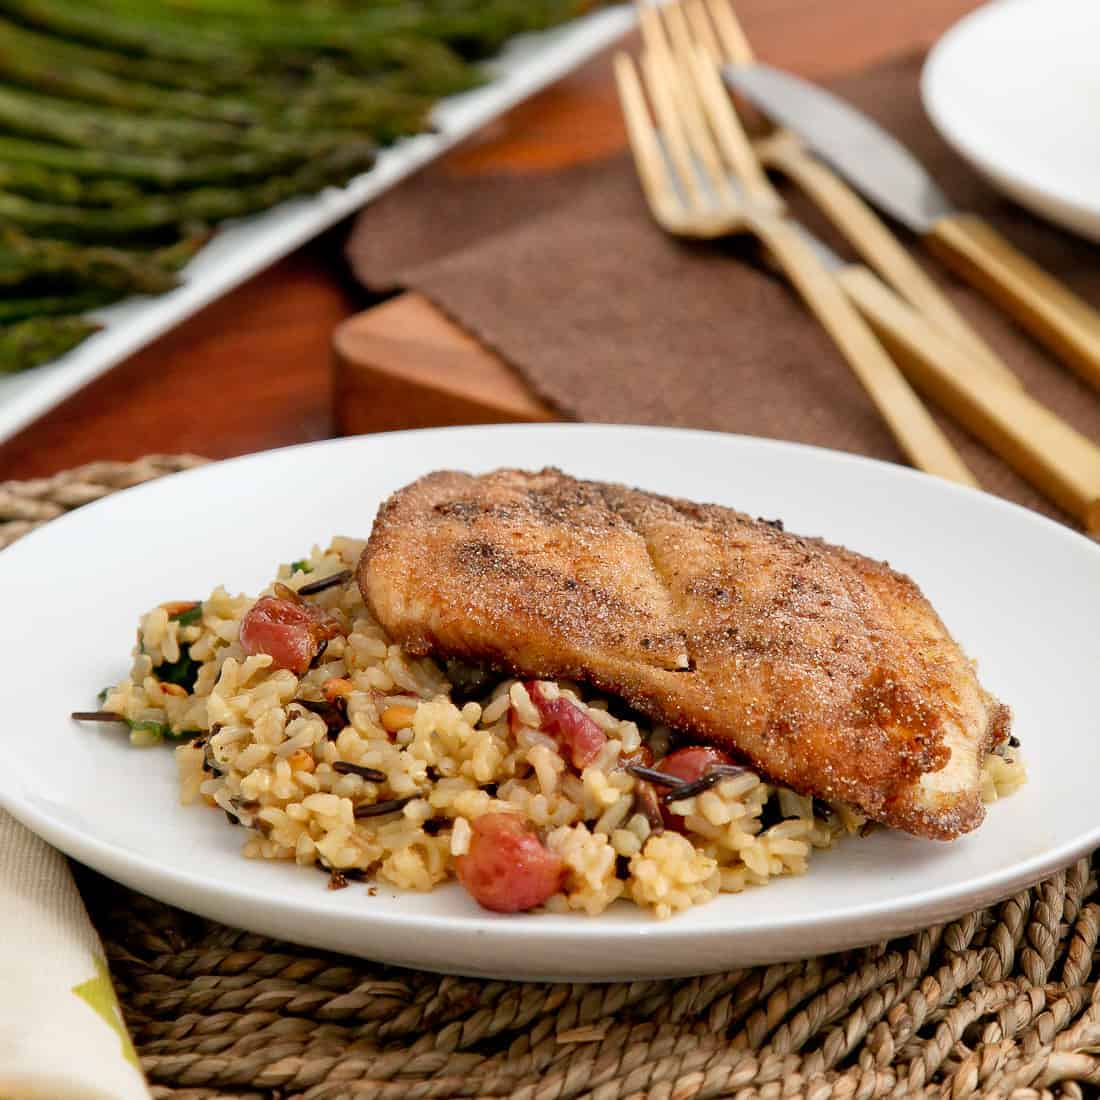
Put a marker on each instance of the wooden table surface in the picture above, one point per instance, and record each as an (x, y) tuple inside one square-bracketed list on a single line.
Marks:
[(252, 371)]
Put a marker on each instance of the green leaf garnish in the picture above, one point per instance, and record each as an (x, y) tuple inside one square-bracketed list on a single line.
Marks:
[(102, 696), (151, 732), (301, 566), (184, 671), (149, 725), (189, 617)]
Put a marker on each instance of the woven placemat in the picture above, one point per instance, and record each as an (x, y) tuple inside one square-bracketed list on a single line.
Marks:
[(1001, 1003)]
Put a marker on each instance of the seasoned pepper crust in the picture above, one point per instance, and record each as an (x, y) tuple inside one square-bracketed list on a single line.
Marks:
[(823, 669)]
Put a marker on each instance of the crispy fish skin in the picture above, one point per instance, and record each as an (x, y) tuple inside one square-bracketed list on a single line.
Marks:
[(827, 671)]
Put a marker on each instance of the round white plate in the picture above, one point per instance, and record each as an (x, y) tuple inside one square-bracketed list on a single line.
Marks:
[(1021, 594), (1014, 88)]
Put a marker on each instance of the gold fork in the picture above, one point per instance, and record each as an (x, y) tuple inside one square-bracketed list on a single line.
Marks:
[(685, 175)]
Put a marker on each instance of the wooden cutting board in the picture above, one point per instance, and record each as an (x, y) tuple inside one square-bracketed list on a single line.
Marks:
[(405, 365)]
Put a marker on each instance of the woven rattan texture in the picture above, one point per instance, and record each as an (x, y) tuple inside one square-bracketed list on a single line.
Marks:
[(25, 505), (1002, 1003)]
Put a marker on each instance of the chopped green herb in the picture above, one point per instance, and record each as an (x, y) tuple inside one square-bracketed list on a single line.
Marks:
[(102, 696), (183, 672), (156, 730), (189, 617), (301, 566), (145, 732)]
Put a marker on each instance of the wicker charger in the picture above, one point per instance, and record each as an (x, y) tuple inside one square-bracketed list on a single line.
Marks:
[(1003, 1002)]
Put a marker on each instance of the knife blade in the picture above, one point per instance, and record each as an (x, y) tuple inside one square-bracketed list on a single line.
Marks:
[(887, 174), (871, 158)]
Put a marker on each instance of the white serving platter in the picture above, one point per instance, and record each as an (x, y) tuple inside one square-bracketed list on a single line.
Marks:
[(245, 247)]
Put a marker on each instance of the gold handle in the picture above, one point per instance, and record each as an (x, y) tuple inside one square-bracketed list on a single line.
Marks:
[(918, 435), (878, 246), (1056, 458), (1041, 304)]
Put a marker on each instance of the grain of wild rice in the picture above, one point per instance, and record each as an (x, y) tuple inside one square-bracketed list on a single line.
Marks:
[(371, 775), (704, 783), (334, 714), (652, 775), (331, 581), (377, 809)]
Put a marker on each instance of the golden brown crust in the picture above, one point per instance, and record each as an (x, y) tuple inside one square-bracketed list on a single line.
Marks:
[(828, 671)]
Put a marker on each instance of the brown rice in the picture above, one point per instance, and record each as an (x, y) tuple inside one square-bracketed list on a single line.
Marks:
[(268, 761)]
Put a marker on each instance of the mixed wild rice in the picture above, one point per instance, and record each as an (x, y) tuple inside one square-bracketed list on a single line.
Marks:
[(376, 763)]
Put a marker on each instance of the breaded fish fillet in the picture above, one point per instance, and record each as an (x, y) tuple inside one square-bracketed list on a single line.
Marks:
[(827, 671)]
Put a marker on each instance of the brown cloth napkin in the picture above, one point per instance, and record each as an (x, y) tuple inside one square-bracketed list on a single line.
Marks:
[(610, 320)]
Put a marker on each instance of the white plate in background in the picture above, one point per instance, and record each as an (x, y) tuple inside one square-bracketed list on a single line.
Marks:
[(1015, 89), (247, 246), (1020, 593)]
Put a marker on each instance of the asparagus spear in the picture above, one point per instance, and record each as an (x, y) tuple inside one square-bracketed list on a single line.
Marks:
[(431, 68), (267, 25), (279, 77), (172, 257), (63, 121), (64, 53), (164, 170), (373, 107), (20, 309), (161, 212), (30, 59), (244, 47), (43, 261), (28, 343), (234, 42), (84, 21), (42, 183)]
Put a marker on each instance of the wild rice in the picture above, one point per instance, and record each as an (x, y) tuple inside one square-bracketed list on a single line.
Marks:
[(331, 581), (652, 775), (373, 775), (378, 809), (716, 774)]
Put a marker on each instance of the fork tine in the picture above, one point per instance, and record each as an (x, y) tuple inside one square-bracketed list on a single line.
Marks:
[(690, 56), (731, 136), (697, 135), (653, 171), (674, 65), (702, 30), (673, 140), (734, 40), (653, 30), (658, 75), (676, 29)]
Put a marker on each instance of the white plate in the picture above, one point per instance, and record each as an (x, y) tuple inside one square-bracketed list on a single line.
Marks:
[(1020, 592), (1014, 88), (243, 248)]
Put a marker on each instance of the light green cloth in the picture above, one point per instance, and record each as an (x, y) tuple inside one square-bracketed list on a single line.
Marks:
[(61, 1030)]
